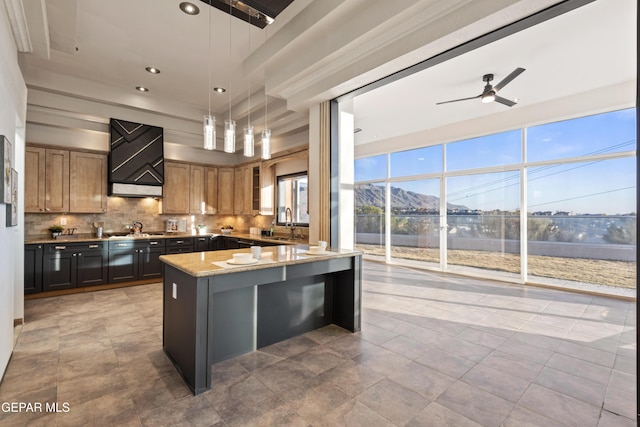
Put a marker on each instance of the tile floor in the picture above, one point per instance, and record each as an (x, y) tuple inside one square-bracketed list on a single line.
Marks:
[(434, 350)]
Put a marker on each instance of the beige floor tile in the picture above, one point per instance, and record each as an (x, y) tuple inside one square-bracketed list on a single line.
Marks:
[(435, 350)]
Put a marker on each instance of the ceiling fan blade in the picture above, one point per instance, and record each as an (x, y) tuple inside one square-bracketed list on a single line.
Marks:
[(505, 101), (515, 73), (456, 100)]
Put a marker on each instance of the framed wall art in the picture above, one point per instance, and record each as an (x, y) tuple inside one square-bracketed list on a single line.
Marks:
[(6, 151), (12, 209)]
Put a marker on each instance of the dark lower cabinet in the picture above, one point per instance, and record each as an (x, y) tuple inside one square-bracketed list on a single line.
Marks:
[(202, 243), (131, 260), (70, 265), (33, 268), (179, 245)]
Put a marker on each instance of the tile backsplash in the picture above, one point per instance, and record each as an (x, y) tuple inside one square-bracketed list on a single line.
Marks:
[(122, 211)]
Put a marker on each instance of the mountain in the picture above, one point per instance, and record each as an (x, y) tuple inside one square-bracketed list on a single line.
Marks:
[(373, 195)]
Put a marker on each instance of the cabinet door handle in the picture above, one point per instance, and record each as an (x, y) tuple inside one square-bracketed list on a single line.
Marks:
[(80, 254), (60, 248), (93, 246), (153, 243), (75, 254)]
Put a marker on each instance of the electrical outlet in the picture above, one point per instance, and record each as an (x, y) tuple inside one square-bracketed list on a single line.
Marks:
[(63, 220), (174, 292)]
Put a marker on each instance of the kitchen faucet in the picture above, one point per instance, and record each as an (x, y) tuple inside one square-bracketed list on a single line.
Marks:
[(288, 213)]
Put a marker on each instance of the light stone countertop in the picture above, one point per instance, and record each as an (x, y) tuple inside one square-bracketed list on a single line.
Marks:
[(210, 263)]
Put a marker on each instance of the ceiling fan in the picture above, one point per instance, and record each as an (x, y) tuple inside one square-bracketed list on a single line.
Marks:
[(489, 93)]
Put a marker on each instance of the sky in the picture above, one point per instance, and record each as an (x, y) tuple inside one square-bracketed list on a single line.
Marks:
[(591, 186)]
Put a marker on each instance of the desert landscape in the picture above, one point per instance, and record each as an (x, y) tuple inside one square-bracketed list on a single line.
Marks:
[(608, 273)]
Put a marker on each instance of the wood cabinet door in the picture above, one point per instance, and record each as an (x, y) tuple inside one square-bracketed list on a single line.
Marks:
[(57, 180), (196, 189), (225, 190), (239, 190), (267, 189), (87, 182), (34, 180), (175, 199), (211, 190)]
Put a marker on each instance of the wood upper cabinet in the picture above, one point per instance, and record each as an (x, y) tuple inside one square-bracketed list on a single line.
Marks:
[(226, 178), (247, 191), (34, 179), (87, 182), (211, 190), (241, 200), (267, 189), (175, 197), (196, 189), (46, 180)]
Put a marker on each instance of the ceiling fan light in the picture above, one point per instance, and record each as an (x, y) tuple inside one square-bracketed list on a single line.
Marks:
[(489, 97)]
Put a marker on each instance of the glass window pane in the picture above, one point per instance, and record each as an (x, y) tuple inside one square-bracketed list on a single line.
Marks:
[(293, 199), (369, 219), (582, 222), (415, 220), (492, 150), (370, 168), (416, 162), (483, 221), (602, 133)]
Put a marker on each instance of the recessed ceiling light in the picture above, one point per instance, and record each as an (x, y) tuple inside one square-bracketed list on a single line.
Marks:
[(152, 70), (142, 89), (219, 90), (189, 8)]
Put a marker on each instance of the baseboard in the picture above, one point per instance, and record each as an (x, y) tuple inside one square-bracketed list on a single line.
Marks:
[(17, 322)]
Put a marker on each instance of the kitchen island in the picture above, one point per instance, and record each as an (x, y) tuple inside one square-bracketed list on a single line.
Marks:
[(214, 310)]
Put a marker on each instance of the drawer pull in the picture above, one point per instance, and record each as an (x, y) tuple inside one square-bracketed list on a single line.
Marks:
[(121, 244), (153, 243), (60, 248), (93, 246), (179, 242)]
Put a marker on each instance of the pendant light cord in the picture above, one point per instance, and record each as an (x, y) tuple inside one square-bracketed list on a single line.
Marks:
[(266, 38), (209, 52), (249, 94), (229, 67)]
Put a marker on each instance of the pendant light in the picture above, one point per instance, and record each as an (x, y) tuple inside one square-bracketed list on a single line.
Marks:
[(248, 131), (209, 120), (229, 125), (266, 132)]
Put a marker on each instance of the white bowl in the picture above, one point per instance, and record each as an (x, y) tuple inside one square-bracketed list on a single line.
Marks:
[(242, 257), (316, 249)]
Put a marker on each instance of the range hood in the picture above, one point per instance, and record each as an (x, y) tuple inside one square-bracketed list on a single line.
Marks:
[(136, 159)]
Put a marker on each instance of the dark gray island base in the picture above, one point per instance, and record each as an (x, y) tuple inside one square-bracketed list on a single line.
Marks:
[(212, 313)]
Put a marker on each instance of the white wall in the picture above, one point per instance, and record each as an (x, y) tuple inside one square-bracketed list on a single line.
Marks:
[(13, 94)]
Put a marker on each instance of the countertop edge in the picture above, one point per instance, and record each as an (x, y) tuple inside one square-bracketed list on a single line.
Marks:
[(206, 268)]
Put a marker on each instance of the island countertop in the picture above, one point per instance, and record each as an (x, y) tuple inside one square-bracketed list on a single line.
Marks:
[(210, 263)]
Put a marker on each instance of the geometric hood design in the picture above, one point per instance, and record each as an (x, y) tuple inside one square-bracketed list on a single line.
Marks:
[(136, 160)]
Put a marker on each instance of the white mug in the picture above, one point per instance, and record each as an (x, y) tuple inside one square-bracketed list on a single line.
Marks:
[(255, 251), (322, 244)]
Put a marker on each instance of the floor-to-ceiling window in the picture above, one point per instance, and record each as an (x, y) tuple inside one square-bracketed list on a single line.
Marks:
[(581, 200), (459, 205)]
